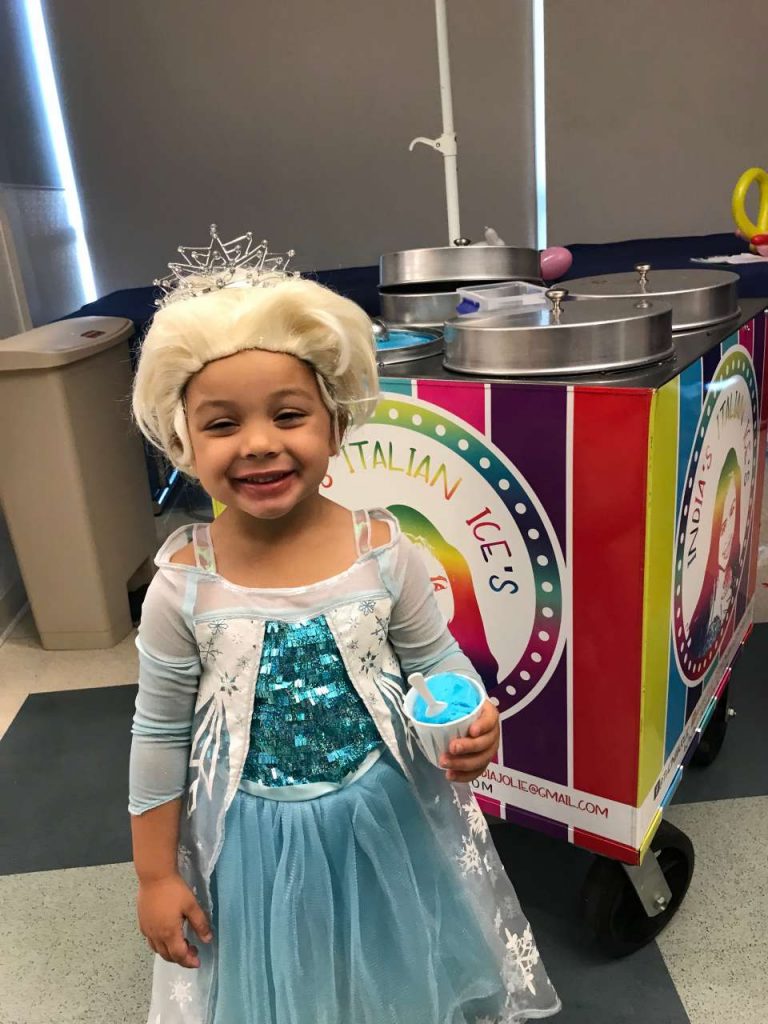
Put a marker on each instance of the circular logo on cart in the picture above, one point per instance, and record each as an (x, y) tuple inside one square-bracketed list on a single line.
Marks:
[(716, 506), (490, 550)]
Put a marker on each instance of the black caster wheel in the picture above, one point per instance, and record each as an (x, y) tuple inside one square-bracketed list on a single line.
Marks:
[(612, 908), (713, 736)]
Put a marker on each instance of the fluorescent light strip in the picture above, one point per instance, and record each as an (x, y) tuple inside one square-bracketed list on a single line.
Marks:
[(539, 123), (38, 36)]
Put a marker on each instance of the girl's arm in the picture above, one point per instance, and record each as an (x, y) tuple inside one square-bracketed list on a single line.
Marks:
[(165, 901), (169, 672), (155, 842), (423, 643)]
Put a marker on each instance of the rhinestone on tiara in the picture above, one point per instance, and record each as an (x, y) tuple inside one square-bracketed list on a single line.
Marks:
[(237, 263)]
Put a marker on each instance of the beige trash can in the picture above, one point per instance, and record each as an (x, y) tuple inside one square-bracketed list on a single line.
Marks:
[(73, 482)]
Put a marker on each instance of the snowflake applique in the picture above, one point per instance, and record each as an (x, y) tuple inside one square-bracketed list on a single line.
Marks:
[(488, 865), (367, 607), (228, 684), (497, 921), (242, 663), (469, 858), (456, 798), (523, 955), (218, 627), (478, 826), (368, 661), (354, 645), (184, 858), (510, 906), (437, 799), (181, 992), (382, 629), (208, 650)]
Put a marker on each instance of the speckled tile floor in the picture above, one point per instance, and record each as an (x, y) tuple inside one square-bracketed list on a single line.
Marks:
[(716, 947), (70, 952), (92, 965)]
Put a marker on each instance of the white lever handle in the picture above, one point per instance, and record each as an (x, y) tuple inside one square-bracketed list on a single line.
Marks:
[(445, 143)]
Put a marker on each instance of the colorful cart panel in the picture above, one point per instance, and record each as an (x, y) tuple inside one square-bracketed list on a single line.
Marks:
[(594, 550)]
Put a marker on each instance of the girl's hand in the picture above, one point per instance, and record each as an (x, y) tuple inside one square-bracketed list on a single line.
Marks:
[(469, 757), (163, 905)]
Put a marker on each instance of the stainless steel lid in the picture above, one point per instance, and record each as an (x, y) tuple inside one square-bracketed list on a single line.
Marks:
[(456, 264), (418, 309), (400, 345), (566, 338), (699, 298)]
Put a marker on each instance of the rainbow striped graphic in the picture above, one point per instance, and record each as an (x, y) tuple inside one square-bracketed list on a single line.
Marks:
[(473, 448)]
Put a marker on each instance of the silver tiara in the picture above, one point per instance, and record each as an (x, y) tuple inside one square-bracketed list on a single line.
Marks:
[(222, 265)]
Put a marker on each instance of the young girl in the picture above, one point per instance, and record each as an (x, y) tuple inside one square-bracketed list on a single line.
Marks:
[(282, 812)]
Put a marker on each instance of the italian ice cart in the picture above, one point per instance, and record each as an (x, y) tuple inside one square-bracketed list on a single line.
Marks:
[(585, 486)]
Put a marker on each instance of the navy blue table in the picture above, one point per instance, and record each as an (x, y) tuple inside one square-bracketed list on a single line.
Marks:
[(361, 283)]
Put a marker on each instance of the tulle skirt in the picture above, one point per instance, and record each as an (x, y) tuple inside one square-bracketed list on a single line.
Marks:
[(344, 910)]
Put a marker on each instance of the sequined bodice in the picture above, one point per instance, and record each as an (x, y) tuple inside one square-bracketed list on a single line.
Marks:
[(308, 722)]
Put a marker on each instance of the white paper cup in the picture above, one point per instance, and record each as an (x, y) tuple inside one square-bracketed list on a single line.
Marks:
[(434, 739)]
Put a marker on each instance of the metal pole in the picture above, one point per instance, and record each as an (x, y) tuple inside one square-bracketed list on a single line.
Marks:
[(446, 144), (446, 100)]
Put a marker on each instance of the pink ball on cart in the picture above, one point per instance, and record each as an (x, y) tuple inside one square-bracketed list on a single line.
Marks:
[(555, 261)]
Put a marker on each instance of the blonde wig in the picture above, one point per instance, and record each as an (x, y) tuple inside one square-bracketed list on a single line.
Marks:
[(294, 316)]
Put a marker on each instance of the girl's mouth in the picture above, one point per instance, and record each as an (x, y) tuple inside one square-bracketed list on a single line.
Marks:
[(264, 483)]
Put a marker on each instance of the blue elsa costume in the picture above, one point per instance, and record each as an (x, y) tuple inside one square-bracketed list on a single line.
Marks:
[(347, 881)]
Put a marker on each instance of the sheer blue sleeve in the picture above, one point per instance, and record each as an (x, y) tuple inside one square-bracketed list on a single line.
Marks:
[(169, 673), (417, 630)]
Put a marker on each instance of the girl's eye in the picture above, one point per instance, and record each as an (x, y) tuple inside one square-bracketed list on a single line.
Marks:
[(220, 425), (290, 416)]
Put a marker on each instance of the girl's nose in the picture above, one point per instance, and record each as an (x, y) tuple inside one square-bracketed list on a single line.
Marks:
[(260, 441)]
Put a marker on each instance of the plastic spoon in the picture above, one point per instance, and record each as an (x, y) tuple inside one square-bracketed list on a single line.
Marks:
[(419, 683)]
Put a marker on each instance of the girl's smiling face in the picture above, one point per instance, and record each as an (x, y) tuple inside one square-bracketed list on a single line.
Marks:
[(260, 432)]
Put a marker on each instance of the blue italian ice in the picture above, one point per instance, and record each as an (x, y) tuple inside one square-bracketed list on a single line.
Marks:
[(457, 691)]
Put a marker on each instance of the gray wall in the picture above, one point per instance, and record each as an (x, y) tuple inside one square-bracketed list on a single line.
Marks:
[(292, 118), (30, 187), (654, 109), (26, 157)]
